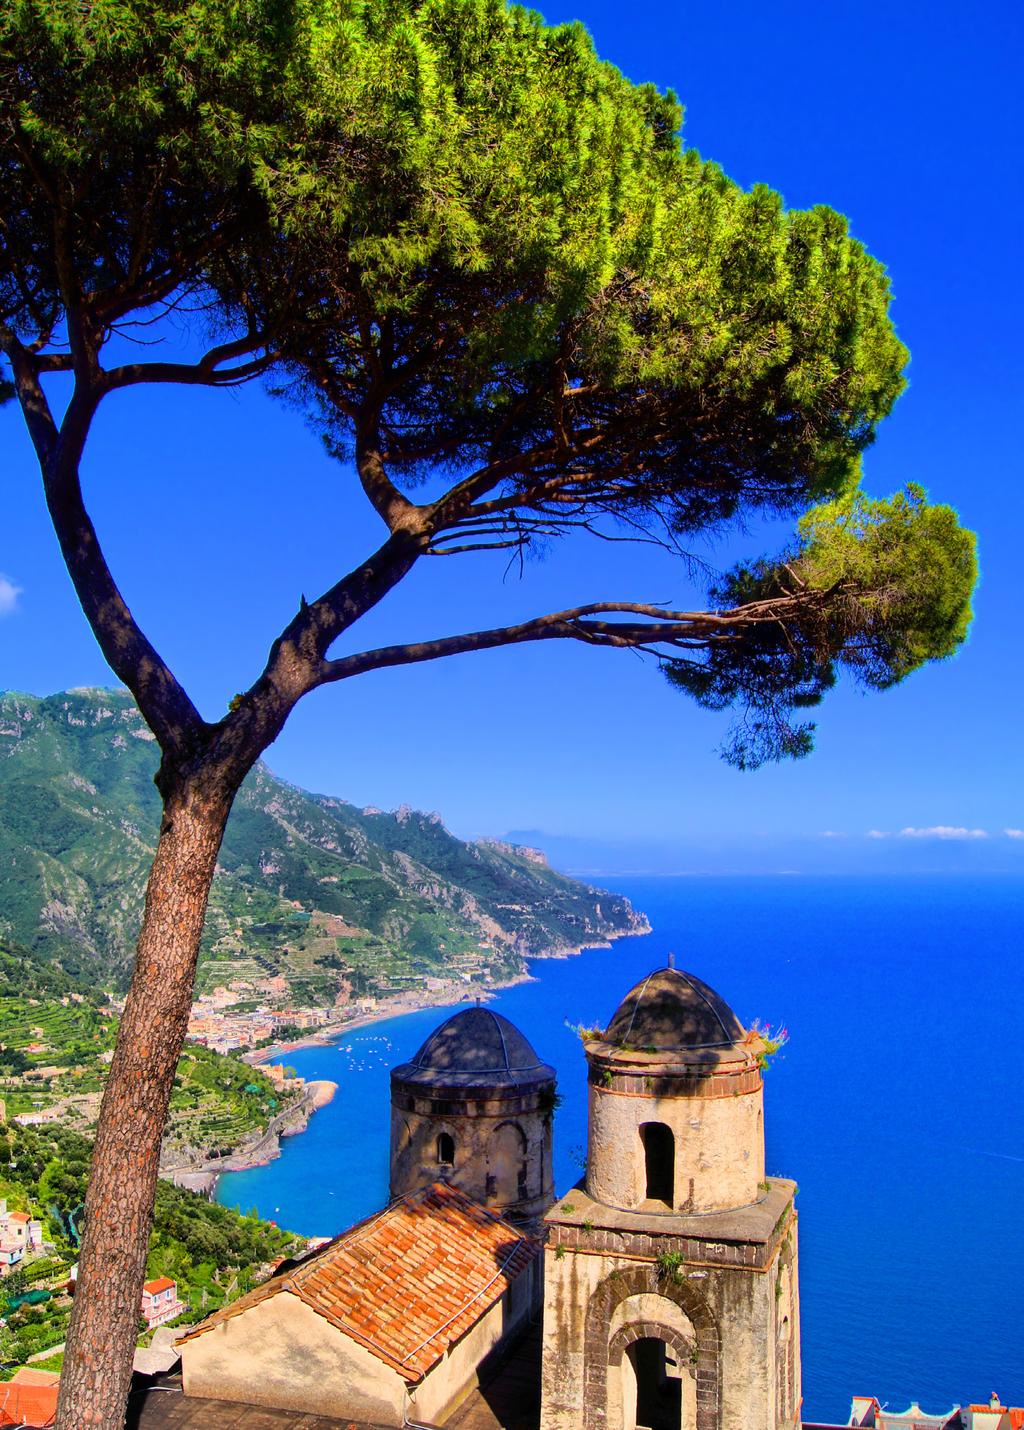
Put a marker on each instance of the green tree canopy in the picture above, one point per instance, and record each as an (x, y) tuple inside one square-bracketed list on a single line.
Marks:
[(483, 262), (885, 587)]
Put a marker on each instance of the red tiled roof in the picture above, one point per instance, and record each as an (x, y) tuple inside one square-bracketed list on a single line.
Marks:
[(18, 1216), (162, 1283), (22, 1404), (28, 1375), (408, 1282)]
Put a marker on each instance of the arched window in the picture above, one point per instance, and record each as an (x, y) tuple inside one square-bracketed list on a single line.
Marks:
[(445, 1149), (507, 1163), (659, 1161)]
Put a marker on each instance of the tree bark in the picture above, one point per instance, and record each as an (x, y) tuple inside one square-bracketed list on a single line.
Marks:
[(122, 1186)]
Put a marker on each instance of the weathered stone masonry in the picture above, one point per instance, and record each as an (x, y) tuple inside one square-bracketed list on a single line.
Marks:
[(474, 1108), (705, 1270)]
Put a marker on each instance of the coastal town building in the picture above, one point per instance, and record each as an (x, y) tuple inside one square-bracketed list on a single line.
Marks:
[(11, 1254), (993, 1416), (390, 1323), (160, 1302), (228, 1020), (20, 1229), (868, 1413), (21, 1238), (29, 1398)]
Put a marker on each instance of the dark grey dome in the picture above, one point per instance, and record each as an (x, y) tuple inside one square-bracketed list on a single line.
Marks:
[(475, 1046), (670, 1009), (477, 1040)]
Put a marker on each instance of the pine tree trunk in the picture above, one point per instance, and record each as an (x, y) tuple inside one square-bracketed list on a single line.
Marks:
[(119, 1204)]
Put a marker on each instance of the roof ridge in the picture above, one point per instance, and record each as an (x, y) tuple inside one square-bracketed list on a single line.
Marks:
[(501, 1035), (636, 1004)]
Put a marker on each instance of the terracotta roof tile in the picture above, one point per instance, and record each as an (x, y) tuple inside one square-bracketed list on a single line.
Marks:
[(408, 1282), (162, 1283), (27, 1404)]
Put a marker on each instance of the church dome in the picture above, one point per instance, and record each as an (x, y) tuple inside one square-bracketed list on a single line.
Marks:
[(475, 1047), (671, 1011)]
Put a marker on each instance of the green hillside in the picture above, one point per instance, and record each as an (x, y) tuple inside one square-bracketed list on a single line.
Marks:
[(56, 1035), (309, 887), (213, 1254)]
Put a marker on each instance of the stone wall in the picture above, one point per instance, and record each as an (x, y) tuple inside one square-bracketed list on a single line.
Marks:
[(716, 1121), (501, 1147), (715, 1303)]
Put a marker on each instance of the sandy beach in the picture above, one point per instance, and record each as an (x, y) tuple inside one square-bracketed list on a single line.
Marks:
[(417, 1002), (395, 1007)]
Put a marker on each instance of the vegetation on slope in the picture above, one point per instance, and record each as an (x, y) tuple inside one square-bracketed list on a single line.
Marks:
[(308, 886), (56, 1035), (213, 1253)]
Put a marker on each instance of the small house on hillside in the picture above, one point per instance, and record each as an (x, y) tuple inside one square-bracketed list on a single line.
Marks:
[(160, 1301), (391, 1320), (11, 1253), (20, 1229)]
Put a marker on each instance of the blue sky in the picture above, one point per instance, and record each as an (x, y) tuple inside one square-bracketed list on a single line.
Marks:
[(219, 509)]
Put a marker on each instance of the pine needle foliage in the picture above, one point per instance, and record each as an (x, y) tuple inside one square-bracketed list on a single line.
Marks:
[(472, 251), (887, 587)]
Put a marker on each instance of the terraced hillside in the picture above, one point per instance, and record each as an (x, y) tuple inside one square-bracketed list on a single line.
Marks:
[(329, 896), (56, 1036)]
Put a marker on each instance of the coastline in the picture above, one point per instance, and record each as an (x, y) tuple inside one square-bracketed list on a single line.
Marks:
[(317, 1094), (203, 1176), (421, 1000)]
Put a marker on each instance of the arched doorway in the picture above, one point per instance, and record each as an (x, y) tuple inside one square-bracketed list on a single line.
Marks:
[(659, 1162), (652, 1386), (638, 1304)]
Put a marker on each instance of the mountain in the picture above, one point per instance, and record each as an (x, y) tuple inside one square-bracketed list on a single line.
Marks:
[(309, 887)]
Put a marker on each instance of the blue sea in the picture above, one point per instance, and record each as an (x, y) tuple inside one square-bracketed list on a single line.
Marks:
[(897, 1105)]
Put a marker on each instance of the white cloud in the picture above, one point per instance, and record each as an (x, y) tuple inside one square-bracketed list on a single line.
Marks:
[(9, 594), (877, 834), (1014, 833), (832, 834), (944, 831)]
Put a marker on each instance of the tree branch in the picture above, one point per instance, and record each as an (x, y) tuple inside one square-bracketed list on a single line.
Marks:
[(297, 657), (394, 509), (207, 371), (167, 709), (39, 420), (676, 630)]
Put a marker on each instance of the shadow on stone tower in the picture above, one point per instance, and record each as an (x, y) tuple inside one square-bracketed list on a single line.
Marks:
[(474, 1108), (671, 1296)]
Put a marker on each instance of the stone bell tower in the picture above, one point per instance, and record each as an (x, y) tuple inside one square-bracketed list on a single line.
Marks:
[(474, 1107), (671, 1295)]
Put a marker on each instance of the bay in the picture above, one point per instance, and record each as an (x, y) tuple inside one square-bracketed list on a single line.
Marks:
[(897, 1105)]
